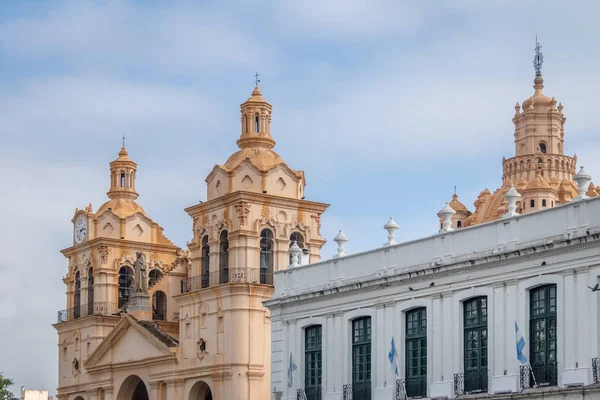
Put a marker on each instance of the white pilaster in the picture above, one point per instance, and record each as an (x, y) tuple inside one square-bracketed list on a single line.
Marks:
[(329, 374), (340, 352), (570, 307), (379, 330), (442, 346)]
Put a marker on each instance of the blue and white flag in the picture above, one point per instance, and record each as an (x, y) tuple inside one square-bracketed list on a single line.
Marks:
[(393, 357), (520, 345), (291, 370)]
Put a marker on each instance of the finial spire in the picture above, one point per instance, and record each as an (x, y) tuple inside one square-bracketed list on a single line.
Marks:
[(454, 189), (256, 80), (123, 140), (538, 60)]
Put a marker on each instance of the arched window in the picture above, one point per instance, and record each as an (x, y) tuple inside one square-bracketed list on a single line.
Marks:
[(543, 147), (416, 352), (361, 358), (256, 124), (154, 276), (159, 306), (205, 261), (90, 309), (542, 334), (122, 179), (531, 203), (313, 363), (539, 160), (224, 257), (125, 284), (543, 202), (77, 296), (459, 224), (266, 256), (299, 239), (476, 345)]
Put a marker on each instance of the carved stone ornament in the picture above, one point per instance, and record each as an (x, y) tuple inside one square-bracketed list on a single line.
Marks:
[(243, 210), (317, 218), (103, 252), (75, 366)]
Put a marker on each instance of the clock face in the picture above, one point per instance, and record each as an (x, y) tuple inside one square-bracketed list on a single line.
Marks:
[(80, 229)]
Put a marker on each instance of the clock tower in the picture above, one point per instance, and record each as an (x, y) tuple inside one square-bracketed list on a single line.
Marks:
[(100, 276)]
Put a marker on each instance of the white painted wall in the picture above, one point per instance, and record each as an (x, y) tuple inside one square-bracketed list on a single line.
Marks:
[(501, 260)]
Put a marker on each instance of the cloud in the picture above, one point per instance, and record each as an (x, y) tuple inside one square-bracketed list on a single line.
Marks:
[(122, 36)]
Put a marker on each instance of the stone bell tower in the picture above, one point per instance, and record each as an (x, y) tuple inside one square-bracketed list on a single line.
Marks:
[(100, 281), (255, 210)]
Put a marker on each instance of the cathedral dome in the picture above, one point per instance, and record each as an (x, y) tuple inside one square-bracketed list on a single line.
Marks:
[(262, 158), (457, 205), (539, 100), (123, 208)]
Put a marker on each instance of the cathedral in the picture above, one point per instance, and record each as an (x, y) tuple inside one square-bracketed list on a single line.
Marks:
[(539, 170), (146, 319)]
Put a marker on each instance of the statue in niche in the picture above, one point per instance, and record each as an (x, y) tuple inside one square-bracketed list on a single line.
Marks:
[(140, 279)]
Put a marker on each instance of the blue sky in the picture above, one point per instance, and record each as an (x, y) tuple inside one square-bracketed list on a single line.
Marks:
[(386, 105)]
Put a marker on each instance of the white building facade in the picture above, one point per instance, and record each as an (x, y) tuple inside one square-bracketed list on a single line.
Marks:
[(451, 303)]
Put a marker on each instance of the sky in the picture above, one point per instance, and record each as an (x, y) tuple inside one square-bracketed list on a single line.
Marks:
[(386, 106)]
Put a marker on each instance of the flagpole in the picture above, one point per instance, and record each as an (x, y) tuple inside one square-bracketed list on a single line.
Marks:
[(535, 385)]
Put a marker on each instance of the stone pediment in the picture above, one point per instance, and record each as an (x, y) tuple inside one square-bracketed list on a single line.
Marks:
[(132, 341)]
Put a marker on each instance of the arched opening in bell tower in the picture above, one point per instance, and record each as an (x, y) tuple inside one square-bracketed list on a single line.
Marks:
[(224, 257), (205, 261), (77, 296), (90, 309), (266, 256), (125, 285)]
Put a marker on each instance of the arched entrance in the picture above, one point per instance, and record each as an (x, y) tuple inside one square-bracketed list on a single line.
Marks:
[(133, 388), (200, 391)]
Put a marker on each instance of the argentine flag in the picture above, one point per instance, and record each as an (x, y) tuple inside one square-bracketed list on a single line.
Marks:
[(291, 370), (520, 345), (393, 357)]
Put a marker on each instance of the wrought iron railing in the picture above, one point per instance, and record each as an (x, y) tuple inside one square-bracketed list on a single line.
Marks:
[(415, 386), (524, 374), (400, 390), (84, 310), (310, 393), (595, 365), (357, 391), (538, 375), (545, 375), (469, 382), (234, 275)]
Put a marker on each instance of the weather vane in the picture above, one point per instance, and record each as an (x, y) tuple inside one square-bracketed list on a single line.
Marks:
[(538, 60), (256, 80)]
